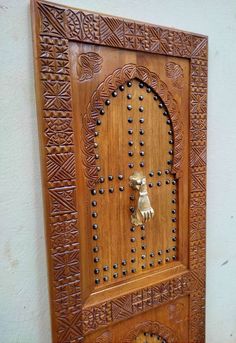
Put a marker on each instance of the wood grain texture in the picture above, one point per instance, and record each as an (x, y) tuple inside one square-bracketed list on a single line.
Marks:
[(137, 302), (54, 28)]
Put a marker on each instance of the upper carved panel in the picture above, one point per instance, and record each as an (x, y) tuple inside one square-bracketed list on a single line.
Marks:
[(103, 92), (111, 31)]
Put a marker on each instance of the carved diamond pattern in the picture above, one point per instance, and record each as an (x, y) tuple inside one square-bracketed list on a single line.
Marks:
[(70, 328), (53, 48), (64, 233), (159, 40), (199, 47), (58, 131), (111, 31), (197, 231), (199, 75), (56, 67), (121, 308), (70, 304), (97, 316), (197, 255), (142, 300), (198, 103), (161, 293), (198, 135), (198, 122), (198, 156), (47, 50), (199, 200), (182, 44), (66, 264), (198, 212), (136, 36), (61, 167), (57, 95), (52, 20), (69, 289), (176, 288), (199, 180), (199, 68), (62, 200)]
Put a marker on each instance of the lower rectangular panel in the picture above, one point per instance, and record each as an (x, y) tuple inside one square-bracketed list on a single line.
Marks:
[(166, 324)]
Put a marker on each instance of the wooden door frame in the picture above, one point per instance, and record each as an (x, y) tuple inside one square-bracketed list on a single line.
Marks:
[(53, 27)]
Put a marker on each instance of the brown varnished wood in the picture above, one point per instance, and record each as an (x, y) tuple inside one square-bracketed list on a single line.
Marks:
[(160, 297), (114, 129), (174, 315)]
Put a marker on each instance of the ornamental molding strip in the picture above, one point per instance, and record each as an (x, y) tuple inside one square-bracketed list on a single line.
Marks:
[(83, 26)]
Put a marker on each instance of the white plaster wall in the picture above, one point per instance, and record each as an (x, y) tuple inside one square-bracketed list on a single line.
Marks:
[(24, 312)]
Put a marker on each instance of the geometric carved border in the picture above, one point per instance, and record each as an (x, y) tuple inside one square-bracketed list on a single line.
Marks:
[(136, 302), (54, 26), (104, 90)]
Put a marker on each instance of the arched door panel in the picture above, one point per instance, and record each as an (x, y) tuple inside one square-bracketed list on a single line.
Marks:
[(133, 134)]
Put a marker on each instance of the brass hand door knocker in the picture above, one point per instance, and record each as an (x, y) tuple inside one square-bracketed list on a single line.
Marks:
[(144, 212)]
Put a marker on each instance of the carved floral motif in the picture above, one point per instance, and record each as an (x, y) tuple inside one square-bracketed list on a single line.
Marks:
[(89, 64), (175, 72)]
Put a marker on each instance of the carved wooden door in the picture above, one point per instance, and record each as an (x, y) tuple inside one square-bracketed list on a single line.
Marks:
[(122, 120)]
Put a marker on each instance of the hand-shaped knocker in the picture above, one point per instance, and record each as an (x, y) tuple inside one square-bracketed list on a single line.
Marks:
[(144, 211)]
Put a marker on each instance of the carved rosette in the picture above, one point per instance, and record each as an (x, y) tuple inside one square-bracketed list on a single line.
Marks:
[(155, 328), (104, 90)]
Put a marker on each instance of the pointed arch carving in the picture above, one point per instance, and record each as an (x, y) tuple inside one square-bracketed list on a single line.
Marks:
[(104, 90)]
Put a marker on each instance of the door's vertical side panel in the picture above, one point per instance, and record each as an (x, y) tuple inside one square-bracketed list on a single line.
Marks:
[(197, 234), (55, 120)]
